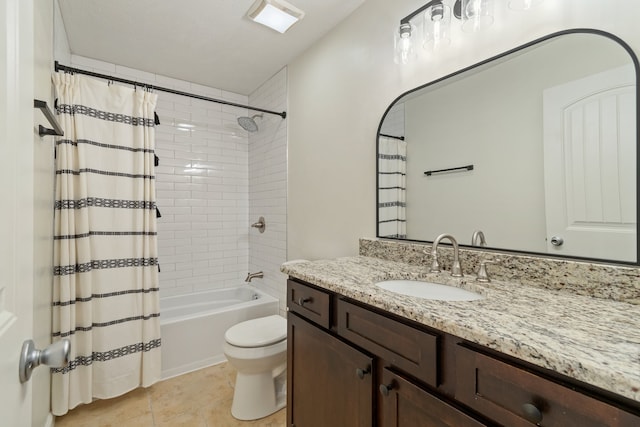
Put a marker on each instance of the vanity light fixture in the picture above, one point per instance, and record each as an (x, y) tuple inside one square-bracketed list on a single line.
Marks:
[(523, 4), (476, 15), (275, 14)]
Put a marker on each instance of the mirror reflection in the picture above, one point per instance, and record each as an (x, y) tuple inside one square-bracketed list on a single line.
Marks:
[(536, 149)]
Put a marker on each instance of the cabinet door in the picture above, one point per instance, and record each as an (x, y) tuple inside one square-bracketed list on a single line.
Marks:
[(329, 382), (404, 404)]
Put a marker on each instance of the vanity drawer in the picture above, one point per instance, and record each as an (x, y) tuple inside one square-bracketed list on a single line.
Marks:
[(404, 347), (311, 303), (515, 397)]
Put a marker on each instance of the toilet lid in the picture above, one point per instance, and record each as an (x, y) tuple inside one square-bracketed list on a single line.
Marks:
[(257, 332)]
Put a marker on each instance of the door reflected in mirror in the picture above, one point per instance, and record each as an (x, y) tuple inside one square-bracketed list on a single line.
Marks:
[(537, 148)]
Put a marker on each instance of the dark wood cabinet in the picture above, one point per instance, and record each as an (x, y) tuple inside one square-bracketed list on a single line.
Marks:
[(312, 304), (330, 382), (402, 403), (412, 350), (515, 397), (352, 365)]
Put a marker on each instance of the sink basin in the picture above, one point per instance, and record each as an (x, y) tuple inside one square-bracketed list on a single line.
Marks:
[(428, 290)]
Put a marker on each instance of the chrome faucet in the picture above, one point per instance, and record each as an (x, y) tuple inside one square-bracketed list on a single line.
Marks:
[(456, 269), (258, 275), (478, 239)]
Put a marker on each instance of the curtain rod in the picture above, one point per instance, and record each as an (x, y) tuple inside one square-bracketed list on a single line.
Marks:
[(401, 138), (60, 67)]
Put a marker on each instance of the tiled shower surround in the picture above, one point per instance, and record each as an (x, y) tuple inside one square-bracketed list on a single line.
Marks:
[(268, 187), (212, 175)]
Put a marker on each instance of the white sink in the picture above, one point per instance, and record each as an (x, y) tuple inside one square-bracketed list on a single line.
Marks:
[(428, 290)]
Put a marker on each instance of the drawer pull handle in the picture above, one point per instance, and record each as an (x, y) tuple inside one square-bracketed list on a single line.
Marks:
[(532, 413), (303, 301), (362, 372), (384, 389)]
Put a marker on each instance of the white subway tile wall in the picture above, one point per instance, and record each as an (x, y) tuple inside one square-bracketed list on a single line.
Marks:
[(268, 188), (204, 185)]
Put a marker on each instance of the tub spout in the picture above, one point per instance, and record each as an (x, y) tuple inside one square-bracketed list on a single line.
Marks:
[(258, 275)]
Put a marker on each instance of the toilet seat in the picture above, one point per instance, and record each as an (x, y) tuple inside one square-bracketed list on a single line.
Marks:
[(259, 332)]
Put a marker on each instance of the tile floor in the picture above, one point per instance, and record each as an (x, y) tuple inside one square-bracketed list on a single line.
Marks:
[(197, 399)]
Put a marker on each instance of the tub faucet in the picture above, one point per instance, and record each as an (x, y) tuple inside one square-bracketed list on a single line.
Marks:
[(258, 275), (456, 269)]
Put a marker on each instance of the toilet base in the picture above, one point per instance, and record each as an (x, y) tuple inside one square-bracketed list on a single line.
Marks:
[(258, 395)]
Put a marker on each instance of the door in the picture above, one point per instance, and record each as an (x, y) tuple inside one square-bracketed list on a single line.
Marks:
[(404, 404), (590, 166), (330, 382), (16, 212)]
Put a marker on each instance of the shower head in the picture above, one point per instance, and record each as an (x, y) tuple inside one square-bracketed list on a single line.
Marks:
[(249, 123)]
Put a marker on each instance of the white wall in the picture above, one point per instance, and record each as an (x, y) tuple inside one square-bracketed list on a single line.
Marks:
[(61, 49), (268, 188), (341, 86)]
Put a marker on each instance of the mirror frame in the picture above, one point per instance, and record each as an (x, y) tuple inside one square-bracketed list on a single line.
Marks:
[(500, 56)]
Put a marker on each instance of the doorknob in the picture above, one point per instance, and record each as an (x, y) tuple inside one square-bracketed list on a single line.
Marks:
[(55, 355), (557, 240)]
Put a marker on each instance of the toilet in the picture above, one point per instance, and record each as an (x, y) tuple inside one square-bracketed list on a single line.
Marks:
[(257, 348)]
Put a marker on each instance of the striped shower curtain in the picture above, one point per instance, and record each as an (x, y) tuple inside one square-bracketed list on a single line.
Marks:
[(105, 296), (392, 169)]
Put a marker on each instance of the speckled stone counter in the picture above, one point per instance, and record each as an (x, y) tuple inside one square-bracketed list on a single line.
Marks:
[(599, 280), (593, 340)]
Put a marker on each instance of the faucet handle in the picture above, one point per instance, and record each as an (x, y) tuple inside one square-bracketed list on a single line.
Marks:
[(435, 265), (456, 269), (483, 275)]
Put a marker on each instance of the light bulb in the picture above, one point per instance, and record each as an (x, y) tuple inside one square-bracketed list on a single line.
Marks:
[(403, 44), (476, 15), (437, 21)]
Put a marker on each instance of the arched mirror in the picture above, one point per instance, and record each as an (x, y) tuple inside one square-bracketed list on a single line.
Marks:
[(536, 148)]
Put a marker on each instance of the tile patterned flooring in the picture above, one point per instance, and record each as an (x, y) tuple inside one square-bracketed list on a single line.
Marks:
[(197, 399)]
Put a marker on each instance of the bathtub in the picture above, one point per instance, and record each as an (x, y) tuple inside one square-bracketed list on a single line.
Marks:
[(193, 326)]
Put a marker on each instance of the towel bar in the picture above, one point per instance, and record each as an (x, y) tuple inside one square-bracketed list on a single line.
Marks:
[(42, 131)]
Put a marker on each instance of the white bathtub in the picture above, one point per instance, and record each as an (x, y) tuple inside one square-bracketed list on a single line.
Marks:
[(193, 326)]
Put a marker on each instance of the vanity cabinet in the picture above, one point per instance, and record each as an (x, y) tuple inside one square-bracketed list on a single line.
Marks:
[(516, 397), (330, 382), (403, 403), (350, 364)]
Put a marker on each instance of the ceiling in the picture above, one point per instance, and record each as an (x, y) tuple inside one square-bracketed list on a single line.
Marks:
[(210, 42)]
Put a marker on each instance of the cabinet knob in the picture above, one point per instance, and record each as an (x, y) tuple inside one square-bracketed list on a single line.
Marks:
[(384, 389), (362, 372), (302, 301), (532, 413)]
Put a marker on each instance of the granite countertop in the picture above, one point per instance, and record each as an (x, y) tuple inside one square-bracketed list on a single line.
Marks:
[(593, 340)]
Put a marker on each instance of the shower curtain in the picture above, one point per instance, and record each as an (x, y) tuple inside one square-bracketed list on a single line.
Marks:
[(392, 168), (105, 296)]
